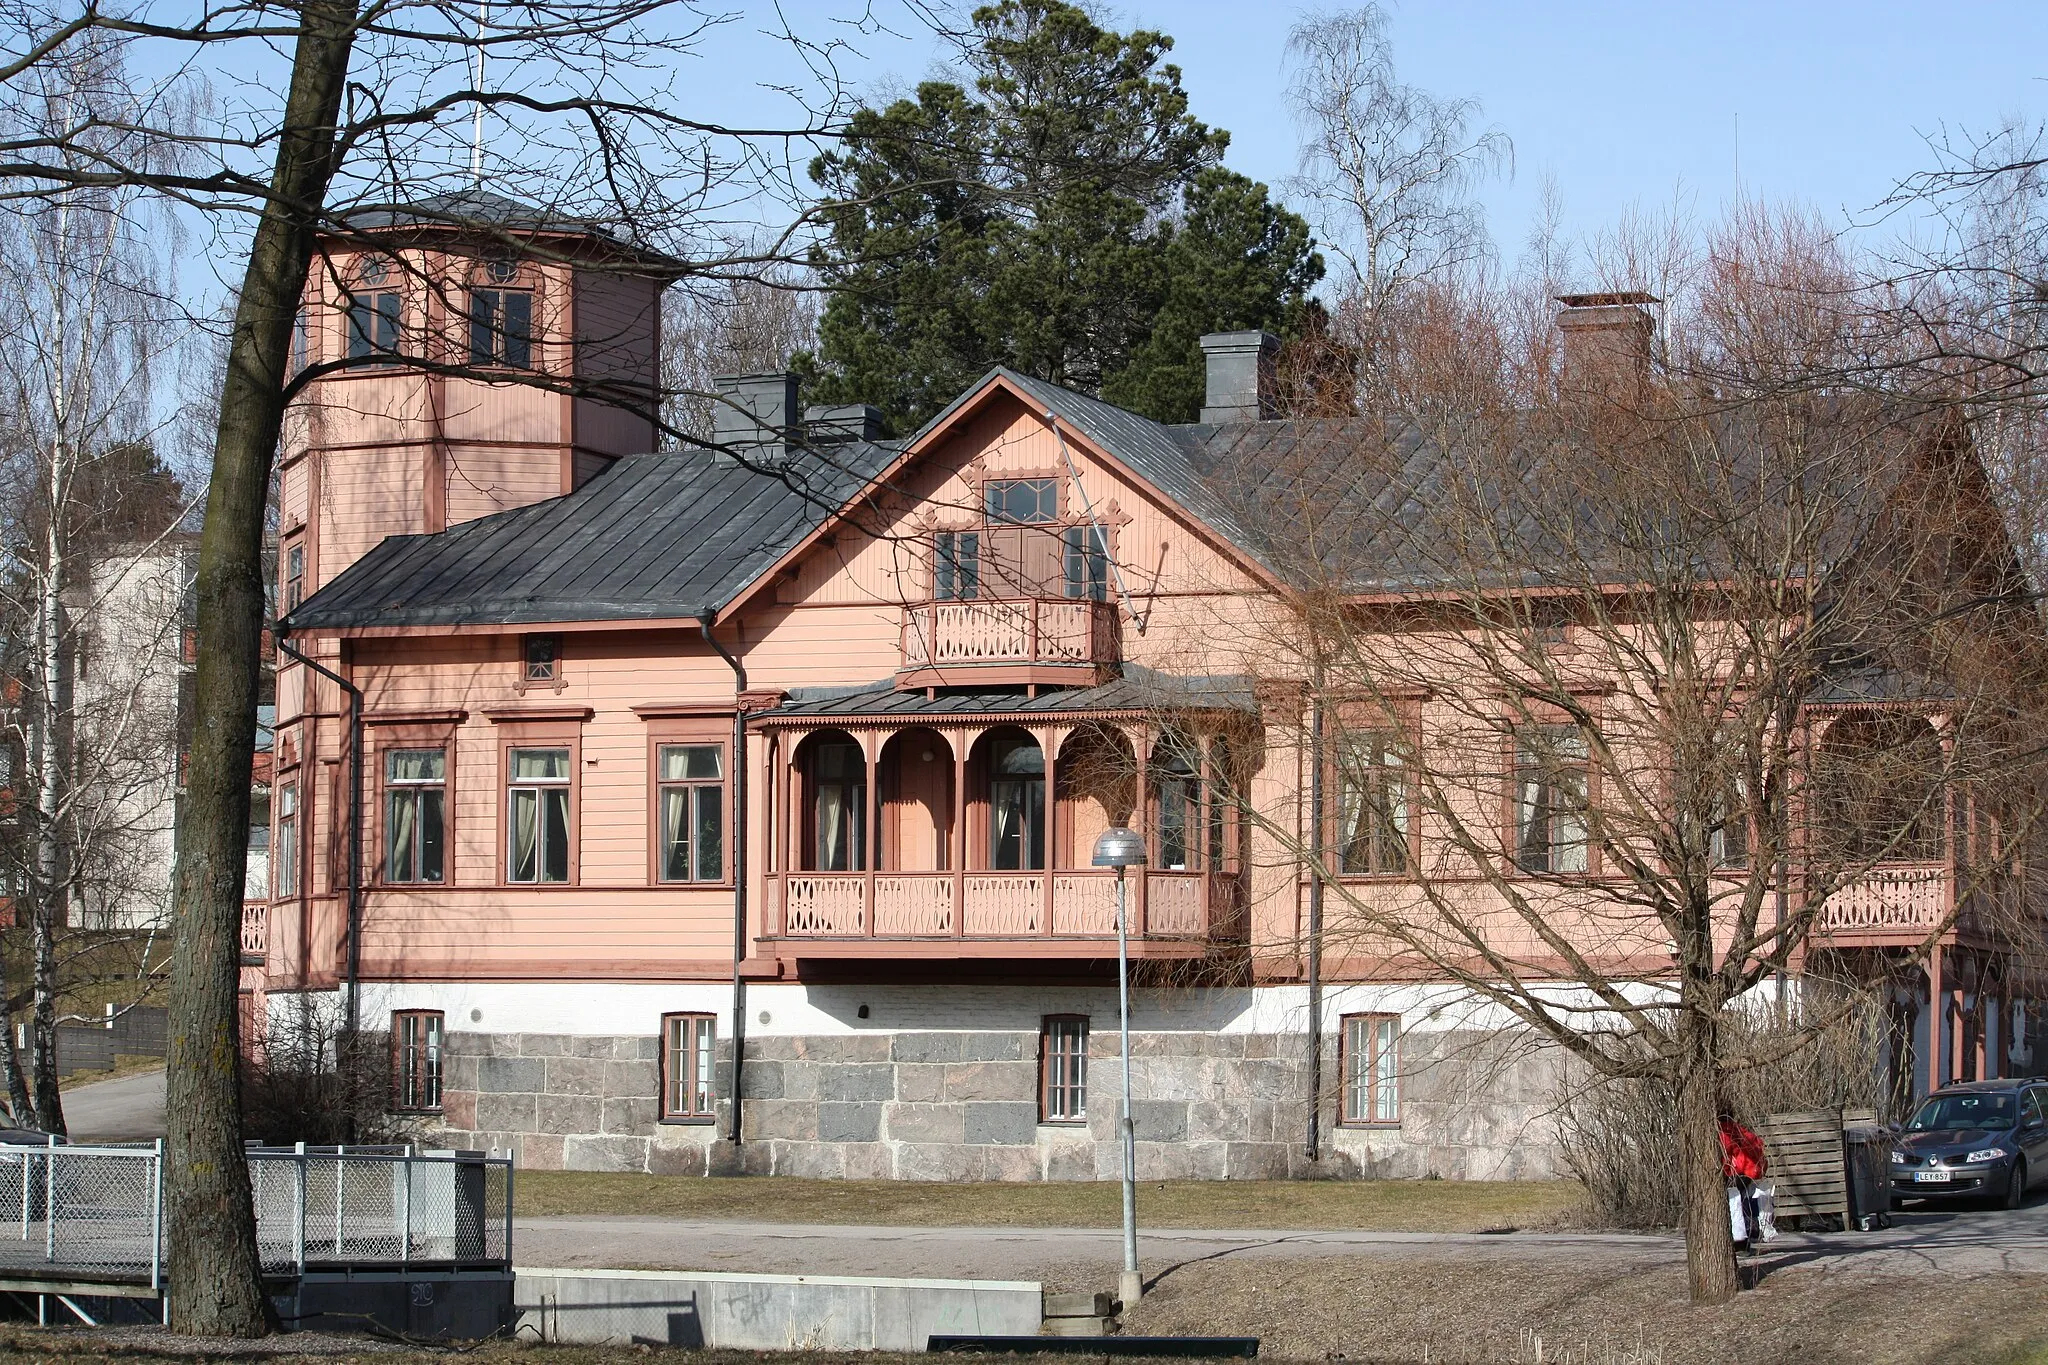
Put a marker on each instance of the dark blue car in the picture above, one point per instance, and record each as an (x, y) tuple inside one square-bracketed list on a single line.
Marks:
[(1977, 1140)]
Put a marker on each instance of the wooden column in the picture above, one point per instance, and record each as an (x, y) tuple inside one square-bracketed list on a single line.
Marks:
[(871, 750), (1141, 816), (1937, 1007), (1048, 743), (956, 842)]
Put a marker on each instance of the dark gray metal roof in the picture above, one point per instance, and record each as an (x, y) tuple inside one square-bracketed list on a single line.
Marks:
[(479, 208), (654, 536), (1140, 692)]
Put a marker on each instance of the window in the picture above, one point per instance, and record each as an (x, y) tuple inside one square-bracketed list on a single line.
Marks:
[(416, 1059), (1176, 778), (301, 341), (1087, 562), (1063, 1069), (1550, 799), (537, 849), (294, 576), (839, 777), (956, 566), (501, 327), (692, 801), (373, 325), (284, 871), (1728, 843), (1016, 806), (1372, 807), (1371, 1045), (541, 658), (1025, 501), (687, 1050), (256, 877), (415, 802)]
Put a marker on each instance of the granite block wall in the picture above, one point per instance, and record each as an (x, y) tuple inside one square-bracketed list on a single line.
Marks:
[(959, 1105)]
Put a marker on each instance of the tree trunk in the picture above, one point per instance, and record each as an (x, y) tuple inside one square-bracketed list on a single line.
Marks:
[(1709, 1241), (215, 1274), (51, 771), (18, 1101)]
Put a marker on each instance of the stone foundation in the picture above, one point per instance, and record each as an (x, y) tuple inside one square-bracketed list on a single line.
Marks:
[(960, 1105)]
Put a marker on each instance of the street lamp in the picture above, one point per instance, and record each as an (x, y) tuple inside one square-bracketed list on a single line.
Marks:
[(1122, 848)]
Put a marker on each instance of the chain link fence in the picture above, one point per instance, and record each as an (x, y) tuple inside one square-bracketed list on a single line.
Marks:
[(96, 1213)]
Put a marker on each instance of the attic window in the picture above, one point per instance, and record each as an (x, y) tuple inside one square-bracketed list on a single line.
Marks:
[(1024, 501), (542, 658)]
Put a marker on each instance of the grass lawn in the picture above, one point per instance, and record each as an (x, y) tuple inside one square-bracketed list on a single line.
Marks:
[(1375, 1205)]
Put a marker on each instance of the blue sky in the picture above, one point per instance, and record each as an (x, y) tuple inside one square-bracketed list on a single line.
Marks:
[(1623, 104)]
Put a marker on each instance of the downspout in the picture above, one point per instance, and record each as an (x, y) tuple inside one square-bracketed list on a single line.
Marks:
[(739, 863), (355, 828), (1313, 1148)]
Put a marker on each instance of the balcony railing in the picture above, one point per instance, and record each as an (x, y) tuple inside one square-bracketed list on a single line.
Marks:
[(255, 933), (997, 905), (1902, 899), (1047, 632)]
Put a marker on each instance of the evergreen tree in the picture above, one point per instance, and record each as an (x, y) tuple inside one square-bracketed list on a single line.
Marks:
[(1066, 217)]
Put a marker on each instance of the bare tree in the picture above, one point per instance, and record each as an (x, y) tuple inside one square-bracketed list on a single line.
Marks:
[(1621, 685), (1389, 168), (337, 111), (749, 325)]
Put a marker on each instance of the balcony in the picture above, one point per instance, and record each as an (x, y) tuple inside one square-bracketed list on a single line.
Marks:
[(1027, 640), (255, 934), (1894, 903), (1061, 913)]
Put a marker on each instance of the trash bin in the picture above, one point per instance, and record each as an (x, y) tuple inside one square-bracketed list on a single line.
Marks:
[(1867, 1147)]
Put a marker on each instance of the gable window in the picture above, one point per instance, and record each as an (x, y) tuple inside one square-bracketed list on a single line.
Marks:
[(692, 800), (540, 658), (1023, 501), (1087, 562), (1371, 1064), (688, 1051), (1372, 807), (416, 1059), (284, 872), (956, 566), (373, 319), (294, 576), (1063, 1068), (1550, 799), (501, 328), (415, 805), (537, 844)]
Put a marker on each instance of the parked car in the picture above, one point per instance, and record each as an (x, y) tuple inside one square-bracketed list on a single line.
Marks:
[(1977, 1140)]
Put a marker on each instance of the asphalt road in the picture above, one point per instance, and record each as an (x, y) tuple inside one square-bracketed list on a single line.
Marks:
[(1943, 1242), (127, 1109)]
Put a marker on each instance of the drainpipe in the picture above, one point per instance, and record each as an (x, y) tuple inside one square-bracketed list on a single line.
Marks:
[(355, 827), (1313, 1148), (739, 863)]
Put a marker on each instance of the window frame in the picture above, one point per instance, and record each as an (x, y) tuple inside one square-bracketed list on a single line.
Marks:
[(1388, 769), (1049, 1033), (708, 735), (1512, 825), (539, 735), (1048, 481), (387, 307), (284, 844), (699, 1022), (387, 787), (294, 588), (403, 1084), (496, 328), (1371, 1075), (949, 583), (1085, 546)]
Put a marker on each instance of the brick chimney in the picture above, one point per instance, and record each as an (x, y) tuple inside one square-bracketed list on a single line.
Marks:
[(1606, 338), (1240, 366), (756, 409)]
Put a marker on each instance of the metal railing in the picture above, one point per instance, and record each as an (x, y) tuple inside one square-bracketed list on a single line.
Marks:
[(97, 1213)]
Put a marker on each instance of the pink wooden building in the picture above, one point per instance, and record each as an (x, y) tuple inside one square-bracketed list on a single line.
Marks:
[(805, 742)]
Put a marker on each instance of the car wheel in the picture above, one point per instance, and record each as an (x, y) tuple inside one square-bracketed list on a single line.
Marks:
[(2016, 1185)]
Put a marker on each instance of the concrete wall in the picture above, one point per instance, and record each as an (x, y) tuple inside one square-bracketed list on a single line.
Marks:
[(766, 1312)]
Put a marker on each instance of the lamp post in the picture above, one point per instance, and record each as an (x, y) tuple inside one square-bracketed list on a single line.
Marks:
[(1124, 848)]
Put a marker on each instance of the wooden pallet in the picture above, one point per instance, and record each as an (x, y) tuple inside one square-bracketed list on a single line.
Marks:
[(1809, 1163)]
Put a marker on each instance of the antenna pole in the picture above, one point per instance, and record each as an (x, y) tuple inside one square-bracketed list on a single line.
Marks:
[(476, 115)]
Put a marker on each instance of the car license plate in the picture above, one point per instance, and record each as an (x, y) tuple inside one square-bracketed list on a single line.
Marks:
[(1930, 1177)]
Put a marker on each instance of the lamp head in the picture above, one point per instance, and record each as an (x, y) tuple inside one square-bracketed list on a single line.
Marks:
[(1120, 847)]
